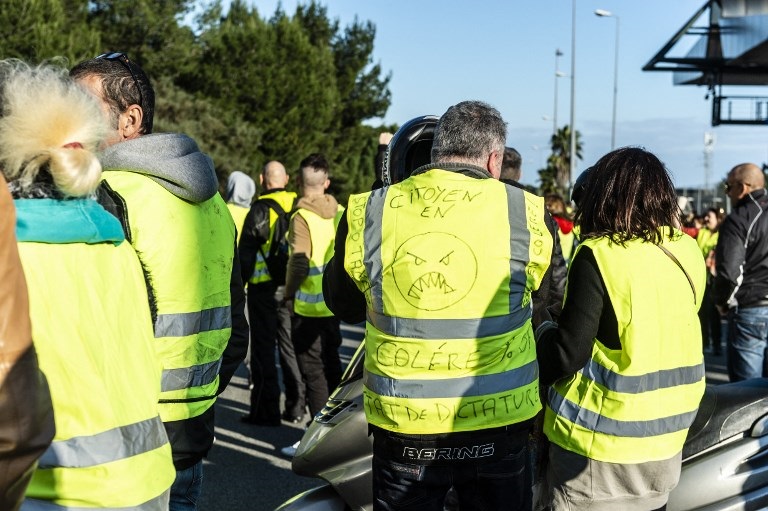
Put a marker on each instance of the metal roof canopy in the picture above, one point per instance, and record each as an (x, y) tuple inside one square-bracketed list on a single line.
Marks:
[(731, 49)]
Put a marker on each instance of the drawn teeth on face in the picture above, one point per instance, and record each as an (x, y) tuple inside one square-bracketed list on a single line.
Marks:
[(433, 281)]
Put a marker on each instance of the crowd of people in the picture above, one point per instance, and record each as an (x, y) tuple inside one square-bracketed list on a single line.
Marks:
[(133, 291)]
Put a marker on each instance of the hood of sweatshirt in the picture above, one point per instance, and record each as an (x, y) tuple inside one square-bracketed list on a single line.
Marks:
[(323, 205), (240, 189), (172, 160)]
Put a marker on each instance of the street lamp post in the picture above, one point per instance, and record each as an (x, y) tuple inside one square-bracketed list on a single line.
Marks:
[(608, 14), (558, 74), (572, 155)]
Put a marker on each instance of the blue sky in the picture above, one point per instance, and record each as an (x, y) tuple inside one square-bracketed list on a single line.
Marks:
[(503, 52)]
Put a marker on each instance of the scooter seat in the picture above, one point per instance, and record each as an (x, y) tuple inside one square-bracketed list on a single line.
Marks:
[(725, 411)]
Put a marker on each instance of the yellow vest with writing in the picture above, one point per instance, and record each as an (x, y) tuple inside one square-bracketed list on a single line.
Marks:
[(636, 404), (447, 264), (187, 250), (309, 300), (110, 450), (260, 271)]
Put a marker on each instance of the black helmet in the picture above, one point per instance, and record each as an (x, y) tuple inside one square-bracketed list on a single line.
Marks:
[(580, 186), (409, 149)]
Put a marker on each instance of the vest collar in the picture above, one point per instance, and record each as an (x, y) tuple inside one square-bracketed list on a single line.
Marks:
[(66, 221), (465, 169)]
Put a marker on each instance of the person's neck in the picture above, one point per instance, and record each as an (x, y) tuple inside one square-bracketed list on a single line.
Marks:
[(313, 195)]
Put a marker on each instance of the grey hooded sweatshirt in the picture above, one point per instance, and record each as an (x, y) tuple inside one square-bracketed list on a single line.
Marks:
[(172, 160), (240, 189), (177, 164)]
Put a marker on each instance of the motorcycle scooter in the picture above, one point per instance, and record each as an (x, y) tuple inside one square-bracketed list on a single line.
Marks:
[(725, 457)]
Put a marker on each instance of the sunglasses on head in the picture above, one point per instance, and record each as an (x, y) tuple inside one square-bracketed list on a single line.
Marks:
[(124, 60)]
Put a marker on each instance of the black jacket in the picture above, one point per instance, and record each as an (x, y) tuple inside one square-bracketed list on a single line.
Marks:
[(741, 254), (256, 231)]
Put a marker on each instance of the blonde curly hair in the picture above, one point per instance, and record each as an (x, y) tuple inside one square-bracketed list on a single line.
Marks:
[(49, 122)]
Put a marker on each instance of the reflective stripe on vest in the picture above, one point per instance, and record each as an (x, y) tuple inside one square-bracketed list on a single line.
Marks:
[(470, 328), (309, 300), (187, 377), (189, 261), (159, 503), (599, 423), (449, 345), (285, 199), (190, 323), (470, 386), (635, 405), (105, 447), (260, 272), (656, 380)]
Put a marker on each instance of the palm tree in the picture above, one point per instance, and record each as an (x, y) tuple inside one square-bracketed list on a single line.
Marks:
[(555, 177)]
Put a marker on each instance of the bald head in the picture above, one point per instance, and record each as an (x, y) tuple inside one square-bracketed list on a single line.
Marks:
[(749, 173), (742, 180), (274, 175)]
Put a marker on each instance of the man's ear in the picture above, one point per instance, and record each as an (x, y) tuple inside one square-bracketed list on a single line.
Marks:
[(129, 123), (326, 184), (493, 164)]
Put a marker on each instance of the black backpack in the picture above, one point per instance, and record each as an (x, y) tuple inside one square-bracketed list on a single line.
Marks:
[(277, 258)]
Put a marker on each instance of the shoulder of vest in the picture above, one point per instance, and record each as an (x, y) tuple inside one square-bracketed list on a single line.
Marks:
[(285, 200)]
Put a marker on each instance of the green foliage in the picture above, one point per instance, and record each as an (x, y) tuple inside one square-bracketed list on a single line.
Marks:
[(228, 139), (248, 89), (305, 84), (38, 30), (150, 31)]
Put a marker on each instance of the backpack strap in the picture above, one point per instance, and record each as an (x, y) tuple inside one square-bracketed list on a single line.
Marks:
[(273, 205), (281, 213), (679, 265)]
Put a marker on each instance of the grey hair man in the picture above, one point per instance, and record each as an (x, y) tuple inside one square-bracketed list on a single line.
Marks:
[(441, 266), (471, 132)]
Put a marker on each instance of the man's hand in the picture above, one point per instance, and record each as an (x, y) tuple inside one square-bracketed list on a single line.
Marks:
[(287, 302), (384, 138)]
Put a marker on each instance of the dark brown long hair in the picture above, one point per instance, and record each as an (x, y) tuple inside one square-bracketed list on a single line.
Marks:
[(628, 195)]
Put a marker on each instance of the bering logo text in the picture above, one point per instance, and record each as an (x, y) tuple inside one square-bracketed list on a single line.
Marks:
[(449, 453)]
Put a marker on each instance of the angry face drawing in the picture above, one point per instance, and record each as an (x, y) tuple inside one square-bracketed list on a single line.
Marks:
[(434, 270)]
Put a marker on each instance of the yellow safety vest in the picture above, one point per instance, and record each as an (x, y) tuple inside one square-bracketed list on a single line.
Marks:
[(447, 263), (309, 300), (636, 404), (707, 240), (566, 244), (238, 217), (187, 250), (110, 450), (285, 199)]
